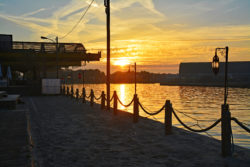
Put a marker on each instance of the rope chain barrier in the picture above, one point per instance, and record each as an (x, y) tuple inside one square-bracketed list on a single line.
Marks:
[(112, 98), (184, 113), (151, 113), (98, 97), (124, 104), (88, 96), (240, 124), (196, 130)]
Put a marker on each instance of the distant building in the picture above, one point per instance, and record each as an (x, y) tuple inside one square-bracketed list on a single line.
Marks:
[(201, 72)]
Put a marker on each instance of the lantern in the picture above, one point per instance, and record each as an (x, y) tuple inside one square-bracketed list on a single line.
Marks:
[(215, 64)]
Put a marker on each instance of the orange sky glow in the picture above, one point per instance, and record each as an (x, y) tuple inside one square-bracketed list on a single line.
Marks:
[(157, 35)]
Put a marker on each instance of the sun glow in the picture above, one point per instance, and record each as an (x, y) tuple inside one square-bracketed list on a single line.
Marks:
[(121, 62)]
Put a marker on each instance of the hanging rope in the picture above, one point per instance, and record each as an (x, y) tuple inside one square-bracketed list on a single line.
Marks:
[(124, 104), (151, 113), (195, 130), (112, 98), (187, 115), (98, 97), (240, 124), (88, 96)]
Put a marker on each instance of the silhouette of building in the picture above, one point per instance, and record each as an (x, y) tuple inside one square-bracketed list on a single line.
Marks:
[(41, 58), (201, 72)]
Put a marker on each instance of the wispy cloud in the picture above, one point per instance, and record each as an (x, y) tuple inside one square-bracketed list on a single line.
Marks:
[(140, 30), (34, 12)]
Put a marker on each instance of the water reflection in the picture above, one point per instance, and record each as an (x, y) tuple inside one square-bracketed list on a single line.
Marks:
[(203, 103), (122, 95)]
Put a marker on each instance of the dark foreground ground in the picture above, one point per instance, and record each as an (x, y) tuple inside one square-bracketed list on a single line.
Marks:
[(14, 140), (67, 133)]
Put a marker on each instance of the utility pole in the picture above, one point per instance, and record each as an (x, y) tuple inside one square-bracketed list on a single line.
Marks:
[(57, 57), (135, 78), (107, 10)]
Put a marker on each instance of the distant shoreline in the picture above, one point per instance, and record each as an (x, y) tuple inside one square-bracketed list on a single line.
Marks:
[(230, 85)]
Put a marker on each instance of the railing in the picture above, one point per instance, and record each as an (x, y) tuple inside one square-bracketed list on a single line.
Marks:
[(49, 47), (227, 137)]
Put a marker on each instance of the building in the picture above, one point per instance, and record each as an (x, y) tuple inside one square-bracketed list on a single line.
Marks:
[(38, 60), (201, 73)]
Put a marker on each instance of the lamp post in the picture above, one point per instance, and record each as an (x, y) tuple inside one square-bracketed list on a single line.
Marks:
[(107, 10), (56, 42), (216, 67), (226, 131)]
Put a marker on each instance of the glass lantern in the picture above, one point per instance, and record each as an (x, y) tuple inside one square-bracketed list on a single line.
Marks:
[(215, 64)]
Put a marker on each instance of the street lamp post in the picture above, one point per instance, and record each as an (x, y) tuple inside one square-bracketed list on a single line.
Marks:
[(107, 5), (226, 131), (56, 42), (215, 67)]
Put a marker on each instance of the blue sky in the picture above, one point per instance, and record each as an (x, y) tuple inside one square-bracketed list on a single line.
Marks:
[(157, 34)]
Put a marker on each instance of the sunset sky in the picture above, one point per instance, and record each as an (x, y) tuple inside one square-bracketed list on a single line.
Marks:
[(157, 34)]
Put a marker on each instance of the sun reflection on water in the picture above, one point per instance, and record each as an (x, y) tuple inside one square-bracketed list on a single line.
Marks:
[(122, 95)]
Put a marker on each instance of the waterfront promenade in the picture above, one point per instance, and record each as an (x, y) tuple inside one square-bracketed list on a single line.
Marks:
[(68, 133), (14, 140)]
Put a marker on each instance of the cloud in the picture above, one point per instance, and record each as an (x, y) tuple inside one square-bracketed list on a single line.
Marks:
[(34, 12), (139, 31)]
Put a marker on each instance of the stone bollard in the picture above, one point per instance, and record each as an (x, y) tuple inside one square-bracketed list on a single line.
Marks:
[(225, 131), (67, 91), (136, 109), (83, 95), (77, 94), (168, 117), (72, 92), (103, 101), (115, 103), (91, 97)]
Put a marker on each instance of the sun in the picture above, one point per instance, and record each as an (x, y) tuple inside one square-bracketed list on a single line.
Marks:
[(121, 62)]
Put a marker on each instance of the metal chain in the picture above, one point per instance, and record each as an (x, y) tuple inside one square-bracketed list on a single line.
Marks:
[(151, 113), (196, 130)]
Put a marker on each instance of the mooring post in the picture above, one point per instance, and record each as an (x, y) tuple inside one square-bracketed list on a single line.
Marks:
[(91, 97), (225, 130), (67, 91), (83, 95), (168, 117), (77, 94), (136, 109), (103, 101), (72, 92), (115, 103)]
